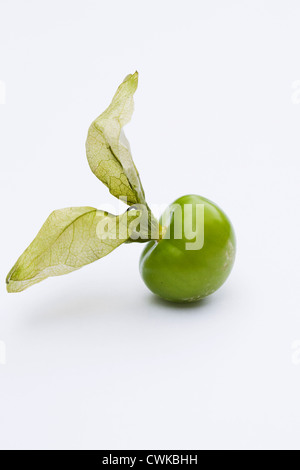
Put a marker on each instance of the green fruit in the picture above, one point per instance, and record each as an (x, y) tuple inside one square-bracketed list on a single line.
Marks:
[(178, 274)]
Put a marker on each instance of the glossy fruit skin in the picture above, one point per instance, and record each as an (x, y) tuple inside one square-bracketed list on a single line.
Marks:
[(176, 274)]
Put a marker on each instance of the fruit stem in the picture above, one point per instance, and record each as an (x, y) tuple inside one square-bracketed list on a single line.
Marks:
[(162, 232)]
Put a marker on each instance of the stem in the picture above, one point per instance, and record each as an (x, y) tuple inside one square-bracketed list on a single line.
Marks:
[(153, 228)]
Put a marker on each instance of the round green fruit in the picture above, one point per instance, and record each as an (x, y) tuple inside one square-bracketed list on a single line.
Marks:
[(195, 255)]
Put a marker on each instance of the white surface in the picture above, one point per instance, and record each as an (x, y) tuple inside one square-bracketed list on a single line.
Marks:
[(93, 359)]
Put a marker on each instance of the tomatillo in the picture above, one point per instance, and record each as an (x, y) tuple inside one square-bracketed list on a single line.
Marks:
[(195, 255), (188, 255)]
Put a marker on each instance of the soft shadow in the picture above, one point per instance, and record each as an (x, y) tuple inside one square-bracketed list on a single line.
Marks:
[(184, 306), (81, 305), (69, 307)]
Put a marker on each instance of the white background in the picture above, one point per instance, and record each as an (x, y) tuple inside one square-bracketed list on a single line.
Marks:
[(94, 360)]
